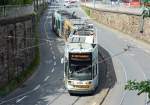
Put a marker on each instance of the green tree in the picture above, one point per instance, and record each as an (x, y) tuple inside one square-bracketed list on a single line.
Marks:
[(141, 87)]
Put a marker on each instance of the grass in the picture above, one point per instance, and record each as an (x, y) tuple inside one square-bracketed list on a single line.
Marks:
[(87, 10), (16, 82)]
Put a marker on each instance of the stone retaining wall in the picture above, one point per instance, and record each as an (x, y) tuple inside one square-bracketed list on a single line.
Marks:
[(13, 58), (126, 23)]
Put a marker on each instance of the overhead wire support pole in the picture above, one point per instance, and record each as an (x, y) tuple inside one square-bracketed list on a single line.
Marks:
[(94, 4)]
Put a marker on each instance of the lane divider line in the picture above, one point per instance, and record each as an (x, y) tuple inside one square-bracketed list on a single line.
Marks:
[(53, 70), (46, 78), (147, 51), (21, 99), (37, 87)]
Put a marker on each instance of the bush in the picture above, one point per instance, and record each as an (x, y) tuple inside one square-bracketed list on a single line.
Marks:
[(87, 10)]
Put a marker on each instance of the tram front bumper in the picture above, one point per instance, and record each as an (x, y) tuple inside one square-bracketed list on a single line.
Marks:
[(75, 90), (81, 91)]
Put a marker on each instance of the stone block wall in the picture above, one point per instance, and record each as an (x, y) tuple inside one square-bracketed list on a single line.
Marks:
[(126, 23), (15, 54)]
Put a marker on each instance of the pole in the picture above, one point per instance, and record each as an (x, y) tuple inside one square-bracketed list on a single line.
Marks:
[(93, 3)]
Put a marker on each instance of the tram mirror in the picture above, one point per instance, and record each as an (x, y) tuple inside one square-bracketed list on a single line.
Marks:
[(62, 60)]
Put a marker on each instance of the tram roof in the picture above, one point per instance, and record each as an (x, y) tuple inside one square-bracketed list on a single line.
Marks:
[(81, 39), (80, 47), (66, 15)]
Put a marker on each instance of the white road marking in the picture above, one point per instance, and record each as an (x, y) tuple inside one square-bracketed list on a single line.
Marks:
[(37, 87), (21, 99), (55, 63), (147, 51), (54, 57), (53, 70), (46, 78)]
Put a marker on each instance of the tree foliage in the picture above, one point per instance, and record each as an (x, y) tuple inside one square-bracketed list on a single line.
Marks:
[(15, 2), (141, 87)]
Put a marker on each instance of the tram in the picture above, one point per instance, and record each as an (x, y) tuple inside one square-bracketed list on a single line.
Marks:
[(81, 72)]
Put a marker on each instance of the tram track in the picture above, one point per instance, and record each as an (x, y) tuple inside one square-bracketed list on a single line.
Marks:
[(56, 98), (76, 100)]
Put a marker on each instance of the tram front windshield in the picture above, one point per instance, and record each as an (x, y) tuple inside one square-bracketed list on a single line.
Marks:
[(80, 69)]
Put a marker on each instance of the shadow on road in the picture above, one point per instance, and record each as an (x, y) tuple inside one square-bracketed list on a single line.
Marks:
[(107, 74)]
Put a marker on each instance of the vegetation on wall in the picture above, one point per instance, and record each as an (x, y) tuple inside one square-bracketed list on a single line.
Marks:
[(87, 10)]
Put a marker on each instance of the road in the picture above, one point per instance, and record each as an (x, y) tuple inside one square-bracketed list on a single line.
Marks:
[(46, 86)]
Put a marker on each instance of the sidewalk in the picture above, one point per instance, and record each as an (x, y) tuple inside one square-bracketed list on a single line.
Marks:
[(121, 8)]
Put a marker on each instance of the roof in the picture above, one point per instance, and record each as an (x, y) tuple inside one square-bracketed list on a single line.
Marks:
[(79, 47), (65, 14), (81, 39)]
